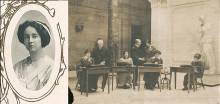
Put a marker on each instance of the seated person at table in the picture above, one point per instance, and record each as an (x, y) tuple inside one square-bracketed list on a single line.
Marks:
[(124, 78), (151, 78), (85, 61), (150, 52), (198, 70)]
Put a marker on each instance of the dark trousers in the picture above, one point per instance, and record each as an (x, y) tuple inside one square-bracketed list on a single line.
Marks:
[(92, 81), (151, 79), (185, 82), (135, 77)]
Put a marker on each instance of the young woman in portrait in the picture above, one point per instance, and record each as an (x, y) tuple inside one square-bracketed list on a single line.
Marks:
[(34, 71)]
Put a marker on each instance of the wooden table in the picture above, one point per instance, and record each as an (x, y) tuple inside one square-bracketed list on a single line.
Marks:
[(142, 69), (188, 70), (116, 69), (96, 70)]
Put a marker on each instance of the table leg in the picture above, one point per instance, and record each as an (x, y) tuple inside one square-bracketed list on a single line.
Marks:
[(160, 82), (87, 89), (134, 72), (194, 85), (108, 83), (139, 80), (175, 79), (188, 84), (83, 76), (170, 79), (113, 79)]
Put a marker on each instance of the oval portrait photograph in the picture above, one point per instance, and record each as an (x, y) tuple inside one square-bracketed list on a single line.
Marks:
[(33, 42), (33, 67)]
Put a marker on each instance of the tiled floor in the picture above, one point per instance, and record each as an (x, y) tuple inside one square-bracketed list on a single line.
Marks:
[(209, 95)]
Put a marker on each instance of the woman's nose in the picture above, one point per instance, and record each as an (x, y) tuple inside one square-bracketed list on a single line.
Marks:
[(31, 39)]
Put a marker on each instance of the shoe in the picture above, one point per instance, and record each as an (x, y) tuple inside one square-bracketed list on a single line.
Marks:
[(152, 89), (92, 90), (126, 86), (185, 88)]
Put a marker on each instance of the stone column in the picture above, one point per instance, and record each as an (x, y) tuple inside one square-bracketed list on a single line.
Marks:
[(114, 29), (161, 28)]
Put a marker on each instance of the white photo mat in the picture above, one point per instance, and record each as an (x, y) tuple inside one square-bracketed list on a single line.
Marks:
[(53, 92)]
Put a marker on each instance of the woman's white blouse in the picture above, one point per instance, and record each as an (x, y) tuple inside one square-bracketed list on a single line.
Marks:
[(34, 77), (128, 60)]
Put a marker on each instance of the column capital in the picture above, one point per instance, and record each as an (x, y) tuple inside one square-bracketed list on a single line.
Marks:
[(158, 3)]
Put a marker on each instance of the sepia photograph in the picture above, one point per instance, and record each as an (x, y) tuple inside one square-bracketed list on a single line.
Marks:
[(144, 51)]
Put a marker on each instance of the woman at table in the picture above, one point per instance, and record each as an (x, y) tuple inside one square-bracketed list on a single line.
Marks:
[(124, 78), (151, 79), (85, 61)]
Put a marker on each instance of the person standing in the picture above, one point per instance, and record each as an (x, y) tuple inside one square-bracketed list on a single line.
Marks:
[(100, 56), (138, 56)]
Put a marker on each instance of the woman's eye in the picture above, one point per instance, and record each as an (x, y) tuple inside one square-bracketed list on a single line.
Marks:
[(35, 36)]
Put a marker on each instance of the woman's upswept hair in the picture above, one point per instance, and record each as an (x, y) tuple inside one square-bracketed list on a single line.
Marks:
[(87, 51), (96, 42), (40, 28)]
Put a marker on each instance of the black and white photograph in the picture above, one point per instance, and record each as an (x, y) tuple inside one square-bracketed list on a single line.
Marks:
[(34, 70), (144, 51), (34, 52)]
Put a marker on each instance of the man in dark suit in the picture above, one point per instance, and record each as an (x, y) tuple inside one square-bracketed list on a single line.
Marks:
[(137, 55), (101, 56)]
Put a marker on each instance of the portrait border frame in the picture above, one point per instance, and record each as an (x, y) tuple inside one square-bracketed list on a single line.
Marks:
[(11, 9)]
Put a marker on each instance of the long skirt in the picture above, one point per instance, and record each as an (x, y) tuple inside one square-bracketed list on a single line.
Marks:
[(92, 81), (151, 79), (123, 78)]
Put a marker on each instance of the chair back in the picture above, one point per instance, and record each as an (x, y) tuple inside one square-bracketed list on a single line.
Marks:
[(202, 70)]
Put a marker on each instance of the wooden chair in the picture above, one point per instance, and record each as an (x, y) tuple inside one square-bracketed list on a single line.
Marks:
[(199, 78), (77, 68), (165, 80)]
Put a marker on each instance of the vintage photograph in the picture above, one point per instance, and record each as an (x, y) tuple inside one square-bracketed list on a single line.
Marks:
[(33, 52), (144, 51), (34, 70)]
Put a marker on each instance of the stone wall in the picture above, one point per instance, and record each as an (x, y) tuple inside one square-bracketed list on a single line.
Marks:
[(175, 30), (93, 15)]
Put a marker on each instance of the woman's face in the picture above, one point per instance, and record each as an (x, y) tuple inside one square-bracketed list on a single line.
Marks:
[(126, 55), (32, 39), (88, 54)]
